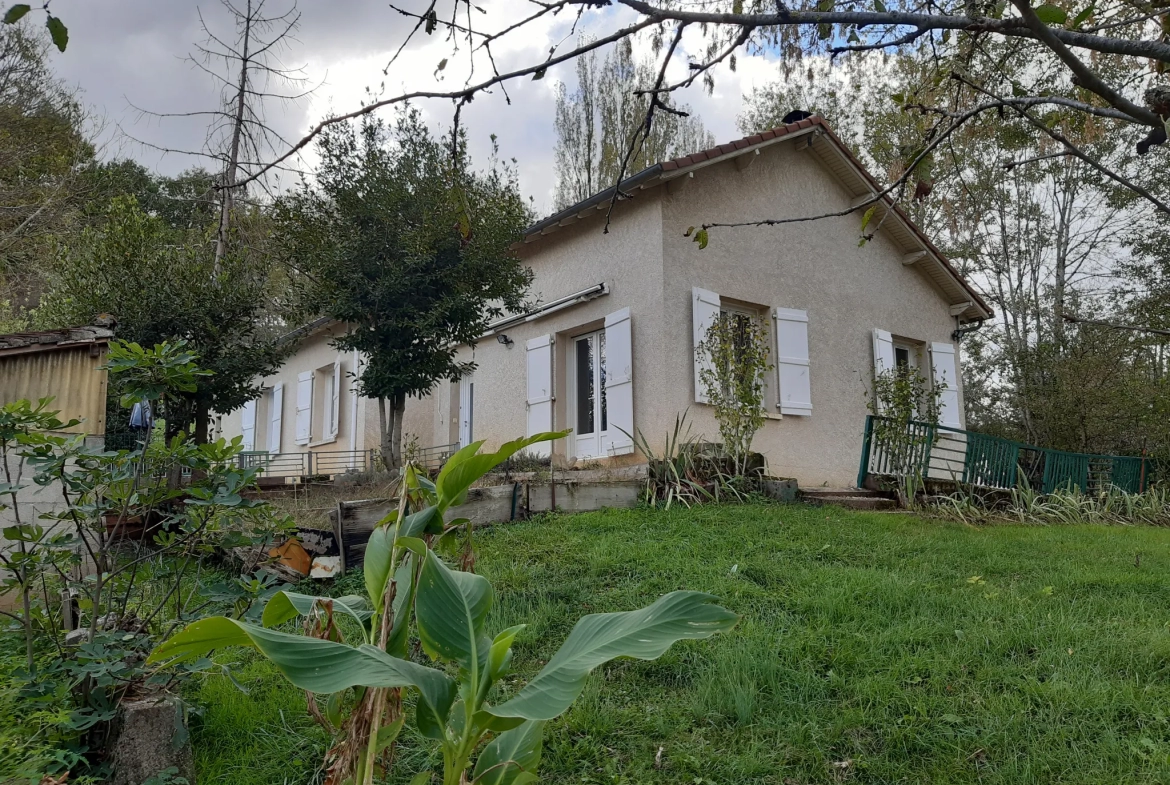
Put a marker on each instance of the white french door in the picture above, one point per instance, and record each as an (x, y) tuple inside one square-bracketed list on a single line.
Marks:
[(587, 383)]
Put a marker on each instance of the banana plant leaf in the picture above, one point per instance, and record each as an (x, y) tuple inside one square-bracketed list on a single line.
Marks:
[(512, 757), (286, 605), (451, 608), (600, 637), (466, 466), (312, 664)]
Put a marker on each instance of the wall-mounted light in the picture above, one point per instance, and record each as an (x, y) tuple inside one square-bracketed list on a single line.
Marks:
[(504, 340)]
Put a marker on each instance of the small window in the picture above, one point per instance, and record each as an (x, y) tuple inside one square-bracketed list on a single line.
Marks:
[(906, 357), (326, 398)]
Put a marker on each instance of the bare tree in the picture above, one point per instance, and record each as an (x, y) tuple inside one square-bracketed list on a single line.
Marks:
[(248, 67), (251, 74), (1102, 51)]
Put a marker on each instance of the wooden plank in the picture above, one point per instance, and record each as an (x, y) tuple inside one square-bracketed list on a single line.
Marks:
[(354, 522), (573, 497)]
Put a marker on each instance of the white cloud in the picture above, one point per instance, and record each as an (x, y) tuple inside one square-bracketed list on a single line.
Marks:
[(131, 51)]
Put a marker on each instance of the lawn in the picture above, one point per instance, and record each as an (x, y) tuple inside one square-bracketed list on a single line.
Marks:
[(872, 648)]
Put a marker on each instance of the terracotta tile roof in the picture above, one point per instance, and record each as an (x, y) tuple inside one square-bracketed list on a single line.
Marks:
[(739, 144)]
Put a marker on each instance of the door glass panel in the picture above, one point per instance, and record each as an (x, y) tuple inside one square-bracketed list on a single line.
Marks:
[(601, 375), (585, 398)]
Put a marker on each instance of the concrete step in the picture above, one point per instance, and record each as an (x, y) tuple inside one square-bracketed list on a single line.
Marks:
[(849, 498), (831, 492)]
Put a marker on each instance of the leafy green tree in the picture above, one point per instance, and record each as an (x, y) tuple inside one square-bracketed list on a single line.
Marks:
[(44, 148), (161, 284), (186, 201), (597, 123), (410, 248)]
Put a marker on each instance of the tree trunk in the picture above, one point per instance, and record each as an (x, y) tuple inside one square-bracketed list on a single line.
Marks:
[(390, 428), (202, 421), (231, 171)]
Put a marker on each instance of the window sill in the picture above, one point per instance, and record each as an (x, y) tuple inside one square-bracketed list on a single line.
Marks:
[(773, 416), (331, 440)]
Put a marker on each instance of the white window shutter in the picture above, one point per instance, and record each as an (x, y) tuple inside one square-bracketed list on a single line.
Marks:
[(619, 382), (704, 312), (275, 417), (248, 425), (540, 402), (883, 352), (792, 361), (883, 357), (335, 404), (304, 407), (946, 379), (466, 410)]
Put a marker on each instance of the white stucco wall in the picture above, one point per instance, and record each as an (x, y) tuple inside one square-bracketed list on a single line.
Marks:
[(814, 266), (651, 267), (628, 260), (313, 353)]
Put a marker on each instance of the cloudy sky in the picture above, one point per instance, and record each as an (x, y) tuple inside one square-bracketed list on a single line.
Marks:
[(124, 54)]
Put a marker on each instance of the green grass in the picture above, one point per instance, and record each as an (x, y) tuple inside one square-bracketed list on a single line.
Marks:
[(872, 648)]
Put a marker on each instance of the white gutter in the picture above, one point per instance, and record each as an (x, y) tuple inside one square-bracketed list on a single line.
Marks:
[(593, 292)]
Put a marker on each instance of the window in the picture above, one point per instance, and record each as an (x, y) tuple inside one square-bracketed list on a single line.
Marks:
[(789, 387), (741, 323), (325, 402), (906, 356)]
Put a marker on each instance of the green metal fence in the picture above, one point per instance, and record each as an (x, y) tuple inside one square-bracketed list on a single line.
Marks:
[(912, 448)]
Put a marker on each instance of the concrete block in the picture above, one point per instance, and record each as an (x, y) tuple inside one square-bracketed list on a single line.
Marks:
[(152, 738)]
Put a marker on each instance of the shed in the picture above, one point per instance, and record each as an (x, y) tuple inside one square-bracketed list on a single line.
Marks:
[(66, 365)]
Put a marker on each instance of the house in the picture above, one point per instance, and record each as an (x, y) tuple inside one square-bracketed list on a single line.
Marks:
[(609, 347), (309, 419)]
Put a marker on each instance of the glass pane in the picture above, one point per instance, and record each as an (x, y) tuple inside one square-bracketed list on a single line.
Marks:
[(601, 373), (585, 401), (901, 357)]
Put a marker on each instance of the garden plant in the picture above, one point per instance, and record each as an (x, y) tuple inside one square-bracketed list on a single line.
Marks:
[(356, 651), (126, 555)]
